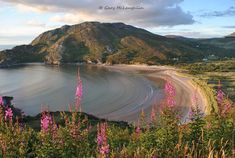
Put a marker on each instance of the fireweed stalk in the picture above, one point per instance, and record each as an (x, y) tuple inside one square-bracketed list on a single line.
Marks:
[(102, 141), (153, 114), (220, 94), (8, 114), (138, 129), (46, 122), (79, 92), (224, 103), (226, 107), (1, 100), (170, 94), (194, 110)]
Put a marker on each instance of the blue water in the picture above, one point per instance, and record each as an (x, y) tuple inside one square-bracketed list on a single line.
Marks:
[(3, 47), (108, 94)]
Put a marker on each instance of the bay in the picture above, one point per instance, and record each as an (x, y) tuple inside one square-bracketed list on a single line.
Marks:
[(114, 95)]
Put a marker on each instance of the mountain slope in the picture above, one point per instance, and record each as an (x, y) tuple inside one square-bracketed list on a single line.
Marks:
[(107, 43), (227, 43), (21, 54), (232, 35)]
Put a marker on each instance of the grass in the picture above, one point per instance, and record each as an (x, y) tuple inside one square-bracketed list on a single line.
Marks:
[(76, 135), (214, 71)]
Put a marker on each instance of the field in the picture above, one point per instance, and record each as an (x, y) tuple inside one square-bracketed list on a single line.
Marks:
[(214, 71)]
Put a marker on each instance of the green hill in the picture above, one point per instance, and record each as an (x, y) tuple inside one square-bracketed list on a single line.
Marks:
[(227, 43), (108, 43)]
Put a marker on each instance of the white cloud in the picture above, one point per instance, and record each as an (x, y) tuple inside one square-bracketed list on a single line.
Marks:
[(228, 12), (70, 18), (16, 40), (21, 34), (35, 23), (201, 32), (154, 12)]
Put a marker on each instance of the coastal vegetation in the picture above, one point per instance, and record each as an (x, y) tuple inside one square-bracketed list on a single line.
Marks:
[(213, 71), (161, 134)]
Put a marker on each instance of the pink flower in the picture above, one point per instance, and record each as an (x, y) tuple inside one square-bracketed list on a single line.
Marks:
[(8, 114), (104, 150), (220, 96), (170, 102), (1, 100), (46, 121), (99, 139), (226, 108), (169, 89), (79, 92), (170, 94), (102, 143), (195, 98), (138, 130)]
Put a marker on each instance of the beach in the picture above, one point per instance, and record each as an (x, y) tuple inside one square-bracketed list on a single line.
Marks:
[(187, 92)]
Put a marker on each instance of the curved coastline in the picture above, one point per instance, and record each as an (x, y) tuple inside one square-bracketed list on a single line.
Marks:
[(186, 90)]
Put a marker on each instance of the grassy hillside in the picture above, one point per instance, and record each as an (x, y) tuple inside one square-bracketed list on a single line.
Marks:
[(110, 43), (227, 43), (21, 54)]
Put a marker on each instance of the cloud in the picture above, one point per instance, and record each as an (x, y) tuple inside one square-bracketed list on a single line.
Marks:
[(229, 27), (228, 12), (35, 23), (18, 39), (153, 13), (200, 32), (188, 34)]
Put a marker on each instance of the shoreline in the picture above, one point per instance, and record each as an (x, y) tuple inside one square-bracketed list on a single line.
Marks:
[(186, 89)]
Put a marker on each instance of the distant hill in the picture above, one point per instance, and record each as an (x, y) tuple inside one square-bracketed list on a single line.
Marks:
[(227, 43), (232, 35), (177, 37), (111, 43)]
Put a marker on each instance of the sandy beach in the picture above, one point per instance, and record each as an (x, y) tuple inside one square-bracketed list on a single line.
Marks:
[(186, 90)]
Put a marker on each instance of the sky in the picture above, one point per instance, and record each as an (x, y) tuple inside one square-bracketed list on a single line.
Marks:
[(23, 20)]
